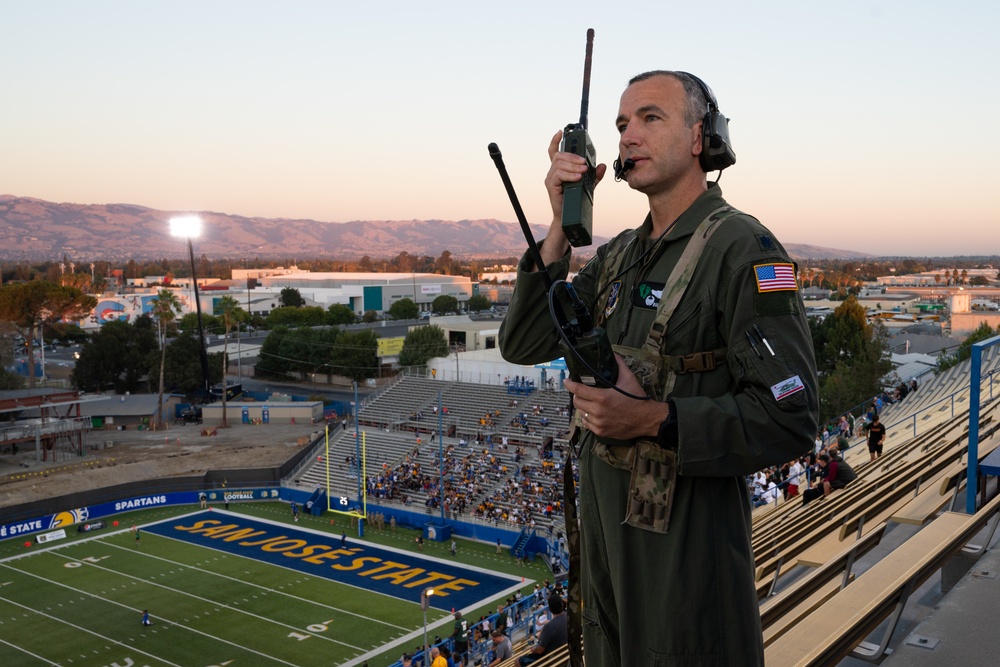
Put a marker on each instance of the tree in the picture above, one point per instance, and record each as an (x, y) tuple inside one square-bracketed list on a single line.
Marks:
[(444, 305), (291, 297), (369, 317), (290, 316), (355, 355), (404, 309), (8, 380), (479, 303), (183, 365), (189, 323), (29, 306), (979, 281), (271, 360), (964, 351), (116, 357), (851, 357), (339, 314), (422, 344), (443, 264), (231, 315), (166, 307)]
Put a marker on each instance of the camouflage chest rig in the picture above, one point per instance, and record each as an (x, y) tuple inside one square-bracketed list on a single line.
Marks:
[(654, 468)]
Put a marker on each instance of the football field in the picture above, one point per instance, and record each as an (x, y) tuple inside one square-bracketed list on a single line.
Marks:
[(226, 589)]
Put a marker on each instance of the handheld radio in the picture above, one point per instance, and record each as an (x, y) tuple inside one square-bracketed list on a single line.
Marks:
[(578, 197)]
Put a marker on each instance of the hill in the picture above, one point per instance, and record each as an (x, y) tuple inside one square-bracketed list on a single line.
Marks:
[(38, 230)]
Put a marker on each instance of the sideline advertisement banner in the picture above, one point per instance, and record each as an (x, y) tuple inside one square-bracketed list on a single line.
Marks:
[(68, 518), (49, 537)]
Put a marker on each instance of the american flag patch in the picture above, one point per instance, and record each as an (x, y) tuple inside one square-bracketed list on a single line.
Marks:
[(775, 277)]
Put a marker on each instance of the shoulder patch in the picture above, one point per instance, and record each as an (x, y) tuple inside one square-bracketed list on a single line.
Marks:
[(786, 388), (776, 303), (776, 277), (766, 242)]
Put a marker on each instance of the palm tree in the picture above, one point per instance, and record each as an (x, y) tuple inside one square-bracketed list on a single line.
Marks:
[(231, 314), (166, 307)]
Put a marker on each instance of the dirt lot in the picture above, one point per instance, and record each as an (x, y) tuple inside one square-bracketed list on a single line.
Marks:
[(135, 455)]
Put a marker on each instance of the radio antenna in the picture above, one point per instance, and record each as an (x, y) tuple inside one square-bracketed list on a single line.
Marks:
[(585, 98)]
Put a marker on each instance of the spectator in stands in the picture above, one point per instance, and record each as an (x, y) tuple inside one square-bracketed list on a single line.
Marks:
[(913, 385), (829, 472), (502, 623), (460, 635), (553, 634), (845, 473), (768, 496), (842, 442), (876, 437), (502, 649), (446, 654), (794, 475), (438, 660)]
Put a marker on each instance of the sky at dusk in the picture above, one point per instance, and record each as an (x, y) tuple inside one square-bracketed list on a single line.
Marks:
[(861, 125)]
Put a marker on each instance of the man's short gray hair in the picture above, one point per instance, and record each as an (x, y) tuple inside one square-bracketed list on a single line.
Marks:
[(697, 103)]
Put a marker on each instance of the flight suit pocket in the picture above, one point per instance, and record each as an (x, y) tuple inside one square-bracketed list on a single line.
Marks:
[(765, 368)]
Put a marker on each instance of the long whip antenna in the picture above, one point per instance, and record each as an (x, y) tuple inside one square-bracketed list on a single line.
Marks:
[(585, 98)]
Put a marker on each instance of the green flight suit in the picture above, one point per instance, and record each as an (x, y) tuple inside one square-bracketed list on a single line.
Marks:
[(687, 596)]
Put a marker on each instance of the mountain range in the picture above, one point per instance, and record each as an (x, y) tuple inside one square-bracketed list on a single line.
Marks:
[(37, 230)]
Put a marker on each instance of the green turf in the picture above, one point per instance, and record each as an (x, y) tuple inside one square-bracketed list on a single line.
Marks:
[(79, 602)]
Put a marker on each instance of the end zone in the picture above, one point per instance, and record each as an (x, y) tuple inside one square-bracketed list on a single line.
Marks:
[(387, 571)]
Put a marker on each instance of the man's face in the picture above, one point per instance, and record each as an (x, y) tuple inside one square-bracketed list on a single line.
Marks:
[(654, 135)]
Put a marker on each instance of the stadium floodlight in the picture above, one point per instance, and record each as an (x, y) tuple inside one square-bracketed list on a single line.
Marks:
[(425, 602), (189, 227), (185, 227)]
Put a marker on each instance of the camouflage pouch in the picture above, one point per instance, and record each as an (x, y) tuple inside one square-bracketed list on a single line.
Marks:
[(649, 369), (621, 456), (651, 488)]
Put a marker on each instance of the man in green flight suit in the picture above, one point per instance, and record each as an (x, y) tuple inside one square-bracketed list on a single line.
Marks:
[(716, 380)]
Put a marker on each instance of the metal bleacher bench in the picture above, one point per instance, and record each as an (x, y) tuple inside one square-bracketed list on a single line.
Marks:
[(838, 627)]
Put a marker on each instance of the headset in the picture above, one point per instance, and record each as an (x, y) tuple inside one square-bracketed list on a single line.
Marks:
[(716, 152)]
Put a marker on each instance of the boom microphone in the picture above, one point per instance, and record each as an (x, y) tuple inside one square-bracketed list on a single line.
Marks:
[(622, 167)]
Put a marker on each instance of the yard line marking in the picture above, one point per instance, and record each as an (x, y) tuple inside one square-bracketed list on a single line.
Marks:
[(270, 590), (124, 606), (206, 600), (90, 632), (18, 648)]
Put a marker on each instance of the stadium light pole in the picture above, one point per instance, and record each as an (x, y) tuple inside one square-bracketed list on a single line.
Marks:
[(189, 227), (425, 602)]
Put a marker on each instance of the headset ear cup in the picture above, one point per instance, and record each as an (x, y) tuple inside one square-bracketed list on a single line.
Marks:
[(716, 152)]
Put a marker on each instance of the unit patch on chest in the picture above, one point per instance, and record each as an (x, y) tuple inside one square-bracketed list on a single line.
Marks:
[(647, 295), (613, 293)]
